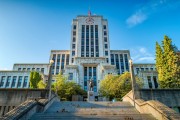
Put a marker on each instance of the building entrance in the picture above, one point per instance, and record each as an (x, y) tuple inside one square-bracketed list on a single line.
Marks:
[(90, 74)]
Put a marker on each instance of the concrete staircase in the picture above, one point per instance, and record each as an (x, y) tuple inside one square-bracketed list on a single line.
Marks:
[(91, 111)]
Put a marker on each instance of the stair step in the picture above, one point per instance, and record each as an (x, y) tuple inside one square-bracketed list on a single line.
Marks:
[(91, 111)]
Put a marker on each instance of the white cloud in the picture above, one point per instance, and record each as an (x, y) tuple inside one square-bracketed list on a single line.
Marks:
[(136, 18), (141, 14), (141, 54)]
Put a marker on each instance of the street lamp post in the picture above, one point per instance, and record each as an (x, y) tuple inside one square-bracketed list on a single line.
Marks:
[(49, 79), (133, 80)]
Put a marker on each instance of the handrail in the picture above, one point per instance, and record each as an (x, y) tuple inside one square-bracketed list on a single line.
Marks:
[(25, 107), (162, 109)]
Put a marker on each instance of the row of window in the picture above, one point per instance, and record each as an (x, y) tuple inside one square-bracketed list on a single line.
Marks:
[(144, 69), (31, 69), (119, 60), (89, 44), (60, 60), (14, 81)]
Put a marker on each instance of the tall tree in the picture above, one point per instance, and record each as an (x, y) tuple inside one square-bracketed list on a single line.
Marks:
[(167, 64), (35, 77), (41, 84)]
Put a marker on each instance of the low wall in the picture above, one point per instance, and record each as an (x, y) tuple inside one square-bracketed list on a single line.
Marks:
[(10, 98), (157, 109), (169, 97), (25, 110)]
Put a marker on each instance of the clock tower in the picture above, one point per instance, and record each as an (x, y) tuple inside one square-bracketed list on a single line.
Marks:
[(90, 37)]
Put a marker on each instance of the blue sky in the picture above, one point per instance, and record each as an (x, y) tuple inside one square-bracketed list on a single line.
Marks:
[(29, 29)]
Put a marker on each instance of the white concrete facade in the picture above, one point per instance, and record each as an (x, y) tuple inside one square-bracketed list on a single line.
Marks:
[(39, 67), (147, 72), (14, 79)]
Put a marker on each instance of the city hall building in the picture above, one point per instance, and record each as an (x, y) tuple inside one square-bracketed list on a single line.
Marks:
[(89, 57)]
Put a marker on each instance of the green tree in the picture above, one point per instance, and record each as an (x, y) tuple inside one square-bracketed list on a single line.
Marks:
[(65, 89), (41, 84), (167, 64), (117, 86), (35, 77)]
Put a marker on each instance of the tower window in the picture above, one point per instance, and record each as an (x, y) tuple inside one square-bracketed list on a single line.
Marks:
[(74, 27), (107, 60), (105, 39), (73, 46), (105, 33), (74, 39), (74, 33), (106, 53), (104, 26), (106, 46), (73, 53)]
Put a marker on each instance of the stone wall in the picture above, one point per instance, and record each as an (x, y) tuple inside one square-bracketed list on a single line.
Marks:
[(10, 98), (169, 97), (153, 107)]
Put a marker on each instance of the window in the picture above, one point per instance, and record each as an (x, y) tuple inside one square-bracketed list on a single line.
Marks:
[(8, 81), (67, 59), (28, 69), (112, 59), (137, 70), (2, 81), (37, 69), (74, 39), (105, 39), (149, 81), (73, 46), (63, 61), (70, 77), (74, 27), (106, 46), (33, 69), (24, 69), (155, 81), (19, 69), (147, 69), (122, 63), (14, 81), (72, 60), (19, 82), (106, 53), (42, 70), (25, 81), (74, 33), (105, 33), (107, 60), (142, 69), (73, 53), (104, 26), (151, 69), (126, 62)]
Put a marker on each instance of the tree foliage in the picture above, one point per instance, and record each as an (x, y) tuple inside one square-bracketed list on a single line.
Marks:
[(167, 64), (35, 77), (41, 84), (65, 89), (117, 86)]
